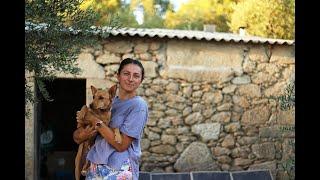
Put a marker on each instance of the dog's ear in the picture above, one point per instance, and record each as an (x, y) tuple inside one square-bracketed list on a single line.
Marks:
[(113, 91), (93, 90)]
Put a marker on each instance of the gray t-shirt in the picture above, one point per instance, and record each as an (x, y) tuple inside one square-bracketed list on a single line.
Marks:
[(130, 116)]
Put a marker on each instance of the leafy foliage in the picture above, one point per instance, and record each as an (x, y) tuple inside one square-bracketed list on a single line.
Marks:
[(162, 7), (195, 13), (287, 102), (56, 30), (154, 11), (106, 10), (148, 7), (126, 17), (154, 21), (289, 167), (266, 18), (152, 7), (117, 9)]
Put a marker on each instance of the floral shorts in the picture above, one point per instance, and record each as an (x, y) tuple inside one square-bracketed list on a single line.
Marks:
[(104, 172)]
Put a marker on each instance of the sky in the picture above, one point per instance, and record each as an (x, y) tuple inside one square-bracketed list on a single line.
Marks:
[(177, 3)]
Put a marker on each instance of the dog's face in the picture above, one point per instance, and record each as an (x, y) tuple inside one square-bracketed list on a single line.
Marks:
[(102, 98)]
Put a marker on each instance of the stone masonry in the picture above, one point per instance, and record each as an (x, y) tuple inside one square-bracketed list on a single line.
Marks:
[(211, 103)]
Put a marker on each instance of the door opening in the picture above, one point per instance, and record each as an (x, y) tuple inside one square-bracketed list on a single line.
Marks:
[(57, 121)]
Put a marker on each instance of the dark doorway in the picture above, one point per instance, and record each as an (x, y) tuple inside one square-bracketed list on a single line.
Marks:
[(57, 121)]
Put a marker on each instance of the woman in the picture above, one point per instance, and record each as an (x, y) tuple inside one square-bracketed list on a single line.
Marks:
[(109, 159)]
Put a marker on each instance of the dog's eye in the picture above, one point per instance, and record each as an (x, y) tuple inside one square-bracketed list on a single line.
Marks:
[(100, 97), (93, 97)]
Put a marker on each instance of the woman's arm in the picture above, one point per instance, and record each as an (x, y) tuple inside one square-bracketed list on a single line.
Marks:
[(109, 136), (81, 134)]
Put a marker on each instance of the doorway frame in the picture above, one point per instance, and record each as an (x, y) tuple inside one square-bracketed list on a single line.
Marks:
[(94, 74)]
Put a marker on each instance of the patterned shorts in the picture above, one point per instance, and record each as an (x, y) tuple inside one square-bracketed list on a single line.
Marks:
[(104, 172)]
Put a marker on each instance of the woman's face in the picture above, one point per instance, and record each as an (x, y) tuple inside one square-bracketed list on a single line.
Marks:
[(130, 77)]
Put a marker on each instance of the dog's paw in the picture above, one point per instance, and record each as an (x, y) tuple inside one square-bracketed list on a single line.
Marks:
[(84, 172), (81, 114)]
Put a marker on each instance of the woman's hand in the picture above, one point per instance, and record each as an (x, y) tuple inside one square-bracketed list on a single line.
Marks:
[(82, 134)]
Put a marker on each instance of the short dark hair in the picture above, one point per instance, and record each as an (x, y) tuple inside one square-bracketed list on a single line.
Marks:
[(131, 61)]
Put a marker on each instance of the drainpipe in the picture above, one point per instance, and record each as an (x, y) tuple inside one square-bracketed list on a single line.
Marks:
[(242, 31), (209, 27)]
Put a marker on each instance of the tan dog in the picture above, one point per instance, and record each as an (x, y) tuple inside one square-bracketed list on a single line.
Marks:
[(99, 108)]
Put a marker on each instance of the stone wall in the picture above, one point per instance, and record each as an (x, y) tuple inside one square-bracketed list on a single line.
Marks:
[(211, 105), (31, 169)]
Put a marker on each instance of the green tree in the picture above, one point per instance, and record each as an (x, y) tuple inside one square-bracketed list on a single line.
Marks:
[(154, 10), (154, 21), (287, 102), (162, 7), (106, 10), (123, 12), (126, 17), (51, 45), (195, 13), (266, 18)]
